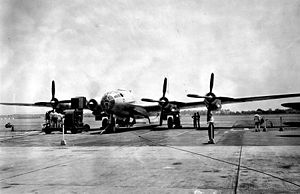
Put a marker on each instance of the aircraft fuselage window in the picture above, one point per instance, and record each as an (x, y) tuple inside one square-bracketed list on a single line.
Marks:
[(118, 96)]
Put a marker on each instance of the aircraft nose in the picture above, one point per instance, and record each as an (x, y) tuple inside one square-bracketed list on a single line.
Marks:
[(107, 102)]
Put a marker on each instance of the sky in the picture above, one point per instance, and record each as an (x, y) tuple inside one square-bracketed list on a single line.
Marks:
[(90, 47)]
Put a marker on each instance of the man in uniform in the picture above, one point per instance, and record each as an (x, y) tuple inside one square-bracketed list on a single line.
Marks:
[(194, 117), (211, 129), (257, 120), (198, 120)]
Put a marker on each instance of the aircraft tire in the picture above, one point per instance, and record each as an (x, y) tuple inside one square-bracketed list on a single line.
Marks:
[(177, 122), (74, 130), (170, 123), (48, 131), (87, 127)]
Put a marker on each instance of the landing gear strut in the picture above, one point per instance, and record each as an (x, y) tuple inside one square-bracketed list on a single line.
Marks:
[(175, 120), (108, 124), (170, 123)]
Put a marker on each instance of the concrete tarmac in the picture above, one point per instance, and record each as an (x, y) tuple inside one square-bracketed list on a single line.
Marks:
[(151, 161)]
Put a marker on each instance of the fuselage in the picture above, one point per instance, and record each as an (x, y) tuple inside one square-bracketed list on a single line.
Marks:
[(118, 102)]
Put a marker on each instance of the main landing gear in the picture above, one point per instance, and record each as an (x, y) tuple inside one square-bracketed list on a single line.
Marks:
[(174, 121), (111, 124)]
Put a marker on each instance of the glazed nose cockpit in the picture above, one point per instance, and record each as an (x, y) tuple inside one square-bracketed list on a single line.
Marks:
[(107, 102)]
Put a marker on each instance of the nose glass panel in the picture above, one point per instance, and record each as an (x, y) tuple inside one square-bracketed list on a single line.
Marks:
[(107, 102)]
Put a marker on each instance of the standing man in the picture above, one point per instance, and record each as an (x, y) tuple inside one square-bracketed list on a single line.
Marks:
[(257, 121), (198, 120), (211, 128), (194, 117)]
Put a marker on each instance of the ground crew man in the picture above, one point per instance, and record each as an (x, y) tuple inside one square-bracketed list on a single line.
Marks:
[(211, 129), (198, 120), (257, 122), (263, 123), (194, 117)]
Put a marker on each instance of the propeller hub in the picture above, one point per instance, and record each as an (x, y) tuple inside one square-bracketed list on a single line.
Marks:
[(210, 96), (54, 102), (163, 101)]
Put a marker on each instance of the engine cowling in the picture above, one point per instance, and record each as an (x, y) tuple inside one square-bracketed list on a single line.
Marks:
[(96, 109), (215, 105), (92, 104)]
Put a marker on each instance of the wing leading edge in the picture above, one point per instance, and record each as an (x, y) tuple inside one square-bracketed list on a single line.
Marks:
[(37, 104), (224, 100), (258, 98)]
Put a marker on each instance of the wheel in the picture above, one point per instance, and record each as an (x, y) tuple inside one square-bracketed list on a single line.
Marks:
[(47, 130), (86, 127), (170, 122), (104, 123), (74, 130), (177, 121)]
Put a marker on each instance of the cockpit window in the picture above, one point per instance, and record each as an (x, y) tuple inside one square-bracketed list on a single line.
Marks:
[(119, 95)]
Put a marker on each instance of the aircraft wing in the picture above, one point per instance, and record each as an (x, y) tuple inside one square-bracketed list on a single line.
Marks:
[(224, 100), (187, 105), (36, 104), (228, 100), (181, 105), (293, 105)]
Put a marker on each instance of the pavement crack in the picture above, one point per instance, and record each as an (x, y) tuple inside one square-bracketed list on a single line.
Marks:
[(220, 160), (32, 171), (238, 171)]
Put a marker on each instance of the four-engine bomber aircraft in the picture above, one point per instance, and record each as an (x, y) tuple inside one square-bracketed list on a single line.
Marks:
[(120, 106)]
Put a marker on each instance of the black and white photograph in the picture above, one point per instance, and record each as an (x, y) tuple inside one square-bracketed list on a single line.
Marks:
[(149, 96)]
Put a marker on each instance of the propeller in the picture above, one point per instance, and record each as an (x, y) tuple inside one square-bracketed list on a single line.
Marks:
[(163, 101), (53, 101), (209, 97)]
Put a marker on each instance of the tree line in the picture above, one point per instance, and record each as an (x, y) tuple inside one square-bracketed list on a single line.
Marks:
[(244, 112)]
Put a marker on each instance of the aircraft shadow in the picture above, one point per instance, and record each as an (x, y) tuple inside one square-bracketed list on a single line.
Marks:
[(152, 128)]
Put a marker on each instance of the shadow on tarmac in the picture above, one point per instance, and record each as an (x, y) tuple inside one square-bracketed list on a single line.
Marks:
[(288, 135)]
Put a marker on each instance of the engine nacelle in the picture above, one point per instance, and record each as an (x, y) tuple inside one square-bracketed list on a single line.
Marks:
[(92, 105), (215, 105), (172, 109)]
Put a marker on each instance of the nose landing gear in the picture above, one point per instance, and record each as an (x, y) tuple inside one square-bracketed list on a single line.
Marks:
[(108, 125)]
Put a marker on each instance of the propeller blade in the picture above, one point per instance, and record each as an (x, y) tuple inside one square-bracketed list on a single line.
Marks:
[(53, 89), (149, 100), (196, 96), (164, 87), (211, 82)]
